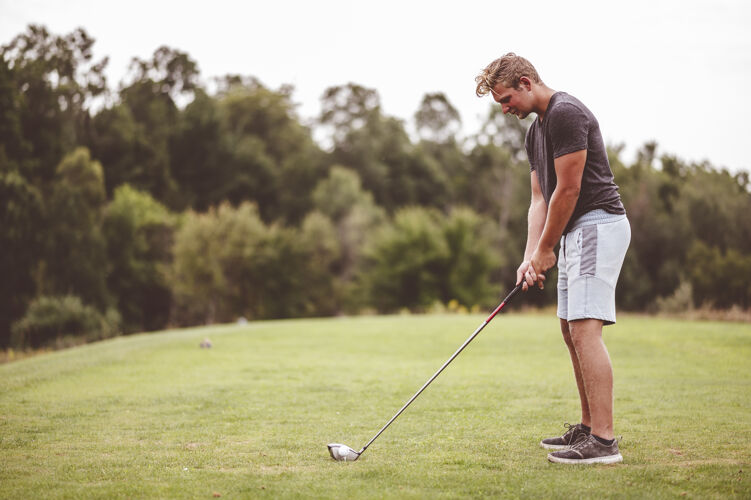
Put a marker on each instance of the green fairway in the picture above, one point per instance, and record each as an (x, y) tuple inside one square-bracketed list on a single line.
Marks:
[(155, 416)]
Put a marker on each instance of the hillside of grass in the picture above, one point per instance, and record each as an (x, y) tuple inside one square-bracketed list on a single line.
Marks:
[(155, 416)]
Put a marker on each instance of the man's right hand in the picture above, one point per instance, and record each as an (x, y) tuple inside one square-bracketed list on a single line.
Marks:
[(526, 273)]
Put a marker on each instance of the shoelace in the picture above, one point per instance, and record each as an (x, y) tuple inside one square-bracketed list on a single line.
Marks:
[(570, 430), (580, 441)]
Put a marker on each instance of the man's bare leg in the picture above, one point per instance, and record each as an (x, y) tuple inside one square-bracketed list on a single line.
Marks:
[(596, 374), (586, 419)]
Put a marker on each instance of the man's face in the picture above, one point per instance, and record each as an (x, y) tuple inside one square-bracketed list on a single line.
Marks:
[(515, 101)]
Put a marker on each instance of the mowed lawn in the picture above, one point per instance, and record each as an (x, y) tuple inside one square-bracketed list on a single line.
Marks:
[(155, 416)]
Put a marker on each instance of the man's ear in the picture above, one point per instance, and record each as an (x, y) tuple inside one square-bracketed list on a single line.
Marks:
[(525, 83)]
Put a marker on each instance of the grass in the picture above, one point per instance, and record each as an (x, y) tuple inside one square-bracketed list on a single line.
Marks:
[(154, 416)]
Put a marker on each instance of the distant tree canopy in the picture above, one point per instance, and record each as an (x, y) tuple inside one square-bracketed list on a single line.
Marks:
[(166, 203)]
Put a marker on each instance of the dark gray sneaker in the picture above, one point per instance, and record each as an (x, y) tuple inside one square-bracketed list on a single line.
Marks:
[(588, 450), (567, 440)]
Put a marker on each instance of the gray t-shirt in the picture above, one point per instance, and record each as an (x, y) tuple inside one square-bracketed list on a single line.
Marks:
[(568, 126)]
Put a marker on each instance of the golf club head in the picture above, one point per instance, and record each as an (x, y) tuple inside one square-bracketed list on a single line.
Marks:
[(342, 452)]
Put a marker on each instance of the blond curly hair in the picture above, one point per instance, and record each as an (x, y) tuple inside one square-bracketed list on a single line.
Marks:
[(507, 71)]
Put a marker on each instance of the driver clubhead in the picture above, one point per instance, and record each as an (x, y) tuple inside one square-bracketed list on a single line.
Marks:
[(342, 452)]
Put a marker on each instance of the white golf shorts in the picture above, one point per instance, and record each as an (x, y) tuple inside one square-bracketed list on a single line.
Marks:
[(589, 262)]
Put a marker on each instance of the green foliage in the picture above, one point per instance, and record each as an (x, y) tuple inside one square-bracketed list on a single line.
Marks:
[(718, 278), (154, 114), (14, 148), (423, 257), (687, 221), (116, 141), (139, 234), (274, 226), (20, 240), (270, 157), (378, 148), (56, 78), (197, 153), (52, 320), (229, 264), (471, 259), (169, 72), (406, 260), (339, 192), (437, 119), (325, 295), (76, 254), (355, 217)]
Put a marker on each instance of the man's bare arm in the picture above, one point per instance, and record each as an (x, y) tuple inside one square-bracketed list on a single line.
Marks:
[(568, 170), (535, 223)]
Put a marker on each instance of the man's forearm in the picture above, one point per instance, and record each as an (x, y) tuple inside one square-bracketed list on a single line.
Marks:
[(535, 224), (562, 205)]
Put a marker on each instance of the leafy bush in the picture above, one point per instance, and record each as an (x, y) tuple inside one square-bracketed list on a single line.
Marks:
[(76, 251), (63, 320), (719, 279), (229, 264), (424, 257), (139, 233)]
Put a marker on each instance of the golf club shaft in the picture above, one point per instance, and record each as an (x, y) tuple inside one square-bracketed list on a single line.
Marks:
[(465, 344)]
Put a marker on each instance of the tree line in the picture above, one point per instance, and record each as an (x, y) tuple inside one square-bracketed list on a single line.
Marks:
[(172, 202)]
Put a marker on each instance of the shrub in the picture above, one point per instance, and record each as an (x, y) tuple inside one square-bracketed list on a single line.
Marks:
[(228, 263), (62, 321), (424, 256), (139, 233)]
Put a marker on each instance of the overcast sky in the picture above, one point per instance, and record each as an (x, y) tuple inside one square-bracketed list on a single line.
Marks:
[(677, 71)]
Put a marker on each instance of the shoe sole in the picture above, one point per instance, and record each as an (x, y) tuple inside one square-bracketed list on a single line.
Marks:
[(612, 459), (555, 446)]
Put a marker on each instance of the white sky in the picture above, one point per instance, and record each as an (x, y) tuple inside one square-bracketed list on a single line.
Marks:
[(674, 71)]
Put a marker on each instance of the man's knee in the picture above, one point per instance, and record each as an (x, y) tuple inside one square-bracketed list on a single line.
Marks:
[(583, 331), (566, 332)]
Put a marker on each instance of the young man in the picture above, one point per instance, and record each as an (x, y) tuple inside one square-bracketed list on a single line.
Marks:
[(574, 201)]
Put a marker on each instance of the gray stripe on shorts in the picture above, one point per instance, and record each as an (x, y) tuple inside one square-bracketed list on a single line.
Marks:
[(589, 251)]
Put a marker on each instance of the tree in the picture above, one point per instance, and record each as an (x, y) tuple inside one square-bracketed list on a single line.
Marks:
[(718, 278), (437, 119), (168, 72), (21, 236), (228, 264), (15, 150), (57, 79), (198, 155), (405, 262), (76, 258), (133, 137), (471, 258), (438, 123), (271, 158), (139, 235), (318, 237), (378, 148), (505, 131), (355, 217), (116, 140), (423, 257)]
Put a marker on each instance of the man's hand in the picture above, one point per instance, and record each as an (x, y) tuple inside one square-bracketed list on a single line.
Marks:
[(542, 260), (527, 273)]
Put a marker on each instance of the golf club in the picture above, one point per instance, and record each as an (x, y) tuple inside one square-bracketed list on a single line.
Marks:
[(344, 453)]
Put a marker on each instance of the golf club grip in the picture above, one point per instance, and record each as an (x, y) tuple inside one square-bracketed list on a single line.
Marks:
[(465, 344), (508, 298)]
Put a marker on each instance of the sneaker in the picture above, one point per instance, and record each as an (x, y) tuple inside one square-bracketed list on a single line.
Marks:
[(565, 441), (588, 450)]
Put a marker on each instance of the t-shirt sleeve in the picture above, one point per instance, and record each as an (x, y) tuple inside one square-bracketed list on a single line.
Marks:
[(569, 129)]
